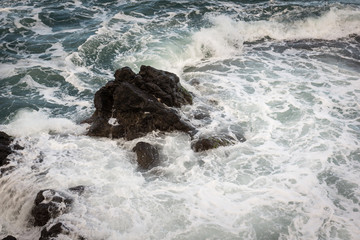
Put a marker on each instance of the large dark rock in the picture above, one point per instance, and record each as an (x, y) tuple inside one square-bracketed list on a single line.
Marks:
[(163, 85), (49, 204), (147, 155), (5, 149), (136, 104)]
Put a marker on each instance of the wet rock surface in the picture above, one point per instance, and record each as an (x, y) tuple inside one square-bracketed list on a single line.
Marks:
[(147, 155), (53, 231), (135, 104), (49, 204), (206, 143), (5, 149)]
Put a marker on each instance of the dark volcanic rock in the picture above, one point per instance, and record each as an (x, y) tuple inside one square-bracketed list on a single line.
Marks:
[(5, 139), (164, 85), (206, 143), (53, 232), (49, 204), (136, 104), (78, 189), (9, 238), (5, 149), (147, 155)]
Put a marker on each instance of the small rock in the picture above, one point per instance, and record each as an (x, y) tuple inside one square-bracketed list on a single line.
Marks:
[(206, 143), (147, 155), (201, 114), (194, 82), (53, 232), (78, 189), (49, 204)]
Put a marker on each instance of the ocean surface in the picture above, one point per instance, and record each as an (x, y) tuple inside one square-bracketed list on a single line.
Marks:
[(286, 74)]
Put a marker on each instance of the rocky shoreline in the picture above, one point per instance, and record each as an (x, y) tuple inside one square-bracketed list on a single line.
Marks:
[(130, 106)]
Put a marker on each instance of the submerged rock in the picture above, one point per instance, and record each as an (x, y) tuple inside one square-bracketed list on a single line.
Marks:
[(206, 143), (49, 204), (136, 104), (77, 189), (147, 155)]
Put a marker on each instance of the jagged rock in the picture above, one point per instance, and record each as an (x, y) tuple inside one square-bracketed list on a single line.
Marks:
[(7, 147), (49, 204), (136, 104), (206, 143), (9, 238), (147, 155), (5, 150), (53, 232), (164, 85)]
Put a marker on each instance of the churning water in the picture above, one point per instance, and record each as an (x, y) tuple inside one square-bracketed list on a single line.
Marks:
[(286, 74)]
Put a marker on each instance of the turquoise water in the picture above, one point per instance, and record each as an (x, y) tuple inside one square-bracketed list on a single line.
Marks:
[(283, 73)]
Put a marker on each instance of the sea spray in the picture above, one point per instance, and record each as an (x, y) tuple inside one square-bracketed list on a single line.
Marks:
[(284, 73)]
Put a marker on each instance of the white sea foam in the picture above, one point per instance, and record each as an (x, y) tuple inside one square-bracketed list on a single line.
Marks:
[(296, 176), (27, 123), (226, 37), (39, 27)]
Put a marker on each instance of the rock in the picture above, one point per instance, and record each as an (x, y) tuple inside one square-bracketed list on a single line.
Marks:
[(136, 104), (5, 139), (201, 113), (53, 232), (195, 82), (147, 155), (9, 238), (206, 143), (357, 38), (78, 189), (49, 204), (164, 85), (56, 229), (5, 149), (3, 170)]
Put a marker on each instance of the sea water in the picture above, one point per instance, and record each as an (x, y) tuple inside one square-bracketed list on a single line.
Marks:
[(285, 74)]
